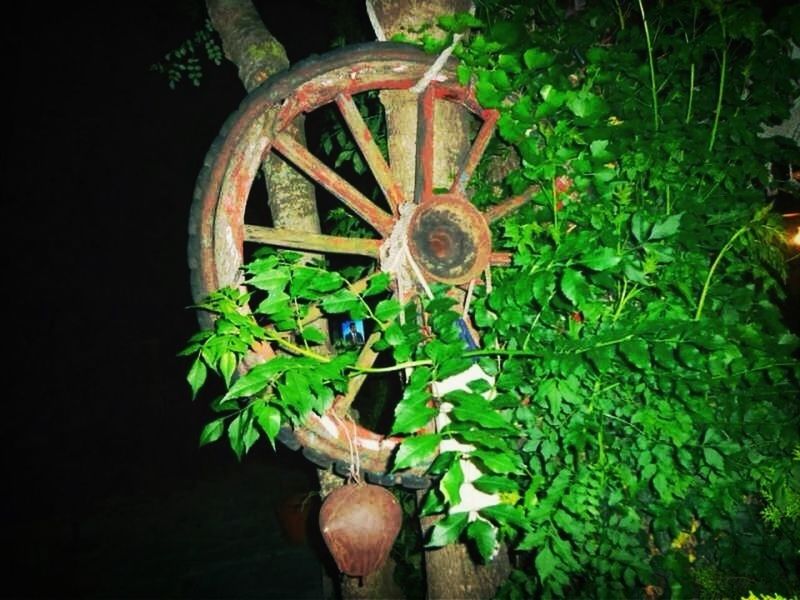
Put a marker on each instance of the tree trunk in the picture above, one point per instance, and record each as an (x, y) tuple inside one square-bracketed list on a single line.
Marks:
[(258, 55), (291, 198), (450, 572)]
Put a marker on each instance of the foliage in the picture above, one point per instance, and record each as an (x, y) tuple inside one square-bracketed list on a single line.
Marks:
[(186, 61), (752, 596), (639, 410)]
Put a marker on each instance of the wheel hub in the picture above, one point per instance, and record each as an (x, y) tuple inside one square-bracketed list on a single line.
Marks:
[(449, 239)]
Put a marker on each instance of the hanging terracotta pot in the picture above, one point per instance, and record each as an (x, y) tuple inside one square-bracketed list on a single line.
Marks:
[(359, 523)]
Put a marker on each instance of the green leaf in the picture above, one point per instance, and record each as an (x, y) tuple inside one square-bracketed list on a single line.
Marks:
[(548, 389), (637, 352), (552, 97), (495, 483), (498, 462), (713, 458), (340, 301), (450, 484), (488, 95), (394, 334), (484, 535), (269, 418), (252, 382), (197, 376), (236, 435), (447, 530), (274, 304), (313, 335), (667, 227), (574, 286), (664, 355), (212, 432), (377, 284), (691, 356), (416, 450), (272, 281), (505, 514), (601, 259), (500, 80), (602, 357), (463, 73), (250, 433), (546, 563), (475, 409), (509, 62), (640, 226), (662, 487), (412, 413), (536, 58), (296, 391), (544, 282), (386, 310), (598, 149), (227, 365)]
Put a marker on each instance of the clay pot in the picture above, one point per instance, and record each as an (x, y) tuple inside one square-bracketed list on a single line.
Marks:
[(359, 523)]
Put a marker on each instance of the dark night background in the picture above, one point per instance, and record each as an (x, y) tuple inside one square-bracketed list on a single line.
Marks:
[(105, 492)]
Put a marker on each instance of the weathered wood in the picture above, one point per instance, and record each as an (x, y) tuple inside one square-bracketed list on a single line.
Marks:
[(315, 242)]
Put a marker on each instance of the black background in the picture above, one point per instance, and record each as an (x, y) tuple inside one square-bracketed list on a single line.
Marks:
[(99, 165)]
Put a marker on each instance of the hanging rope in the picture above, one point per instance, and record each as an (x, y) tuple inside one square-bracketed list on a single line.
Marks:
[(376, 26), (396, 258), (354, 471)]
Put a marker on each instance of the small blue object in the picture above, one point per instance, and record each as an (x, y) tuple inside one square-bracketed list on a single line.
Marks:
[(466, 335)]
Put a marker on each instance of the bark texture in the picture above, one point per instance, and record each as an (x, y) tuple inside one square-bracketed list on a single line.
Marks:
[(450, 571), (257, 54), (246, 42), (291, 198), (451, 122)]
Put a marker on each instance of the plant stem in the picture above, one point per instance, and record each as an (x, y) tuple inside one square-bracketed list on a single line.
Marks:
[(713, 268), (691, 94), (669, 201), (652, 67), (425, 362), (625, 296), (556, 233), (691, 68), (620, 15), (294, 348), (718, 110)]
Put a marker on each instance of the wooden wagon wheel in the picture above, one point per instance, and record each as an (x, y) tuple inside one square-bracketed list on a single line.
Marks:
[(447, 236)]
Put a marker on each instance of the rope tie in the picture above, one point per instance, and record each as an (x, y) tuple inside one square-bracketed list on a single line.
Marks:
[(433, 71), (396, 258), (354, 471)]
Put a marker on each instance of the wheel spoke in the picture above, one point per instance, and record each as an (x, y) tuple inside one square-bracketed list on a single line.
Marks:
[(509, 205), (333, 182), (423, 174), (365, 359), (500, 259), (475, 154), (372, 154), (315, 242)]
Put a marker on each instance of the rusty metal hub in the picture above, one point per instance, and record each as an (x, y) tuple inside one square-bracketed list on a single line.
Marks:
[(449, 239)]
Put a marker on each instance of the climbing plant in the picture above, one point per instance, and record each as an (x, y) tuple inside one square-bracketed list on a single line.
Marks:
[(636, 421)]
